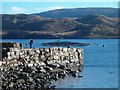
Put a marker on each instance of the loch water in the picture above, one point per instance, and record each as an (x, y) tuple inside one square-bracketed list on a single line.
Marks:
[(100, 68)]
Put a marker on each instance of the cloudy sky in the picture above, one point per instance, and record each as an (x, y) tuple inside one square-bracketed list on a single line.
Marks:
[(36, 7)]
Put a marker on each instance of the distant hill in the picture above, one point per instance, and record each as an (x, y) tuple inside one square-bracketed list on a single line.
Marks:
[(38, 27), (98, 19), (79, 12)]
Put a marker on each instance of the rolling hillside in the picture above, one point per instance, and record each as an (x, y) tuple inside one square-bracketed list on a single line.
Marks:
[(79, 12), (35, 26)]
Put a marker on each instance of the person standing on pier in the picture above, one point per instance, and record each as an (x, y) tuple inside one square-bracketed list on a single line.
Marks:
[(31, 42)]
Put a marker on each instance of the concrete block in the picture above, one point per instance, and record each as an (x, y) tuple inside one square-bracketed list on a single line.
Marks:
[(38, 51), (0, 63), (42, 64), (65, 49), (56, 57), (8, 53)]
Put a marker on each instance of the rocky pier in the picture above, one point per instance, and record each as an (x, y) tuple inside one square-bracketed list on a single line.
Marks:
[(38, 68)]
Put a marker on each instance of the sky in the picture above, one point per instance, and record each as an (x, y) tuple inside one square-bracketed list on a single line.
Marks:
[(37, 7), (60, 0)]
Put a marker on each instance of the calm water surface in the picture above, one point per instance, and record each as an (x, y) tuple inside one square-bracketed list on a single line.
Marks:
[(100, 63)]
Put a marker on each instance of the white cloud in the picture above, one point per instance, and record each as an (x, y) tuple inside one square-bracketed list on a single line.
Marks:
[(50, 8), (16, 9)]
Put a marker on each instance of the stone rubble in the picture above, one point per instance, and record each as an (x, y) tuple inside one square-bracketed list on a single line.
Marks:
[(36, 69)]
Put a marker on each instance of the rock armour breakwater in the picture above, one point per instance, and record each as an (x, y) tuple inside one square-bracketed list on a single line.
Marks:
[(37, 68)]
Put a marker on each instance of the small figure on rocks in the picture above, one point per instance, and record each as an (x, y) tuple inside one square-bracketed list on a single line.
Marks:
[(31, 42)]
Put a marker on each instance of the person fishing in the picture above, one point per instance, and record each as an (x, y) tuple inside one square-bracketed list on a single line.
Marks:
[(31, 42)]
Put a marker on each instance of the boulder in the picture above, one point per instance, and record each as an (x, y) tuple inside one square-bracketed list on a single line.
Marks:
[(30, 79), (62, 67), (38, 51), (42, 64), (30, 65), (0, 63)]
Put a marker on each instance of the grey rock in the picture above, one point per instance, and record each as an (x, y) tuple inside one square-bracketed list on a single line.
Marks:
[(21, 81), (33, 68), (62, 67), (30, 79), (80, 76), (74, 74), (11, 84)]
